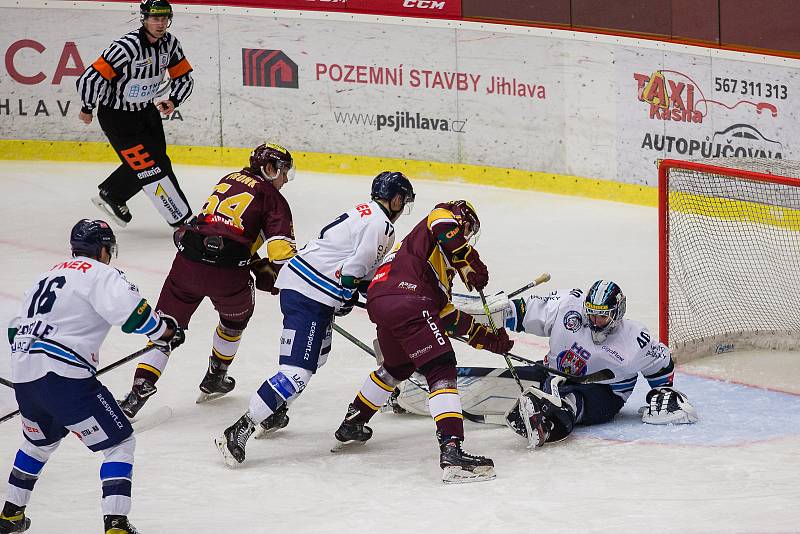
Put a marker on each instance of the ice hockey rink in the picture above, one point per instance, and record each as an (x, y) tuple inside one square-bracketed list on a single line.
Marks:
[(735, 471)]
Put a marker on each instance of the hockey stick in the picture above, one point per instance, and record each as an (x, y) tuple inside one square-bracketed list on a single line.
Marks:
[(105, 369), (6, 382), (541, 279), (494, 330), (598, 376), (363, 346)]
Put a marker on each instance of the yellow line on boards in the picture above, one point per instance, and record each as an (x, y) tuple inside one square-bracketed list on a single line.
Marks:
[(348, 164)]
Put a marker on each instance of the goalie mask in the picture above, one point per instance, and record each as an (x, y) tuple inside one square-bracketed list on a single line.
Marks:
[(605, 308), (275, 155), (467, 219)]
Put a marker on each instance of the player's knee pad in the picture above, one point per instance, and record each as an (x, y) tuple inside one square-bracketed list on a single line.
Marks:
[(39, 452), (290, 381), (232, 328), (440, 372), (122, 451), (386, 377)]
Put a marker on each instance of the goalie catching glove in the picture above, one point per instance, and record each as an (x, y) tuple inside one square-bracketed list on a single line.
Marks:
[(667, 406)]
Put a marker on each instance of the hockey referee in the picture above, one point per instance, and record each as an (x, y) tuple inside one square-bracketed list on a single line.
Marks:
[(123, 83)]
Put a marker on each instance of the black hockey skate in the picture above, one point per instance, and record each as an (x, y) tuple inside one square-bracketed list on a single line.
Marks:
[(118, 524), (351, 432), (232, 443), (13, 519), (279, 419), (459, 467), (118, 211), (216, 383), (134, 401)]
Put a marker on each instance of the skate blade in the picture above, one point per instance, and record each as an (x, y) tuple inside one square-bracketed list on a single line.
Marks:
[(456, 475), (227, 457), (205, 397), (347, 446), (102, 206), (260, 433)]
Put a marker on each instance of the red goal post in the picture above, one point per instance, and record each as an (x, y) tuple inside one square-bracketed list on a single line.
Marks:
[(729, 255)]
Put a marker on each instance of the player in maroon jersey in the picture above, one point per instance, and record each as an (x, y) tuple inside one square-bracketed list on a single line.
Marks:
[(217, 251), (409, 301)]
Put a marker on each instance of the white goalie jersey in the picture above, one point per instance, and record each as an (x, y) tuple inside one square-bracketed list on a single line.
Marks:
[(629, 350), (354, 244)]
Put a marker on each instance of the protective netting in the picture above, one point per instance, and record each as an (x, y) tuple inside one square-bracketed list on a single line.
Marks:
[(734, 258)]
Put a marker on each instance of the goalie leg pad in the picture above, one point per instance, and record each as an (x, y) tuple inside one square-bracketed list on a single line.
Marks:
[(542, 417)]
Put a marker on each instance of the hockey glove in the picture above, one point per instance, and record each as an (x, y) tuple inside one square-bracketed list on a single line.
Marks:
[(173, 336), (667, 406), (266, 273), (482, 338), (472, 270), (347, 307)]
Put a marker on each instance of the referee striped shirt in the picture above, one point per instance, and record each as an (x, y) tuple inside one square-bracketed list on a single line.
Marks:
[(128, 73)]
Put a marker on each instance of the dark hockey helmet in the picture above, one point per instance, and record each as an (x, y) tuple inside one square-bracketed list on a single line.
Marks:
[(88, 237), (465, 213), (390, 183), (604, 299), (279, 157), (155, 8)]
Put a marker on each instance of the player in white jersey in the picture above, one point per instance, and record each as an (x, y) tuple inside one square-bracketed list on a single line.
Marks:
[(324, 279), (55, 351), (588, 333)]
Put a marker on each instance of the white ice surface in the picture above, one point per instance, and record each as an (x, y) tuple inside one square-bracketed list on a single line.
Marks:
[(609, 479)]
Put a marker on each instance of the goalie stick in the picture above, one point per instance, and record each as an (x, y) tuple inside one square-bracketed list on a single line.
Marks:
[(105, 369), (539, 280)]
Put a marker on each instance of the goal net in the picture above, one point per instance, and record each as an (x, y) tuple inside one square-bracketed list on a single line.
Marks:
[(729, 255)]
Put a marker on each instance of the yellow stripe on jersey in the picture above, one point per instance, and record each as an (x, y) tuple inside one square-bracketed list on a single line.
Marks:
[(380, 383), (439, 391), (445, 415), (280, 250), (440, 214), (441, 269), (149, 368), (227, 337), (368, 403)]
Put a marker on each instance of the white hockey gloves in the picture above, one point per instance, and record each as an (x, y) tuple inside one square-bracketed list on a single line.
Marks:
[(667, 406)]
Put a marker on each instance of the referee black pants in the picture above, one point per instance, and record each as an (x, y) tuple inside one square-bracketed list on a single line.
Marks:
[(139, 141)]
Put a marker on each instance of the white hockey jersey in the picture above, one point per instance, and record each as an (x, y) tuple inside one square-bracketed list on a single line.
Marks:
[(629, 350), (354, 244), (66, 316)]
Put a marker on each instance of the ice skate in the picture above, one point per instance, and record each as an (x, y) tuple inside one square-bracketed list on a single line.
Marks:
[(118, 524), (273, 423), (460, 467), (13, 520), (119, 213), (351, 433), (232, 443), (216, 383), (134, 401)]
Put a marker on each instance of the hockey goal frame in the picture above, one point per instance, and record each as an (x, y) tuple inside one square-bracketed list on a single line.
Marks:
[(664, 168)]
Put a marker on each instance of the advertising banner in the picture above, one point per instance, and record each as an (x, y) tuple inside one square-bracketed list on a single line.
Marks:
[(536, 100), (685, 106)]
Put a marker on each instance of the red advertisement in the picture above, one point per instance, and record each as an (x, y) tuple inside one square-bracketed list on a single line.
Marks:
[(447, 9)]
